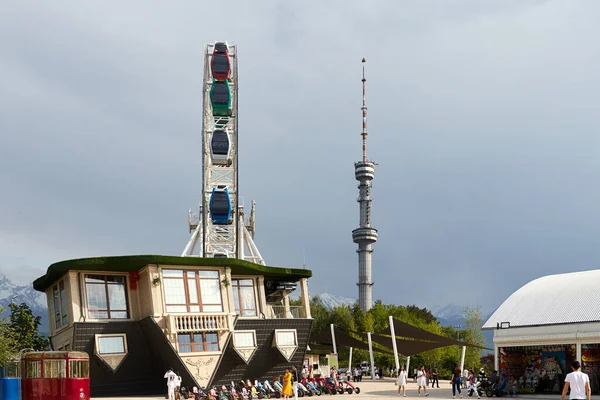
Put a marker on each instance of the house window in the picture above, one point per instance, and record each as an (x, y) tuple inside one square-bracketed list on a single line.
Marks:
[(55, 368), (198, 341), (244, 339), (286, 337), (244, 297), (59, 296), (106, 296), (192, 291), (111, 344)]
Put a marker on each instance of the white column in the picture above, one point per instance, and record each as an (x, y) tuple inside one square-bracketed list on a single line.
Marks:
[(579, 351), (462, 359), (286, 306), (393, 333), (496, 361), (304, 296), (332, 326), (407, 367), (350, 361), (371, 355)]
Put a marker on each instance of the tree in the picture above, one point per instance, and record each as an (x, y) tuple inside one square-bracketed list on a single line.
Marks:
[(7, 344), (23, 329), (473, 335)]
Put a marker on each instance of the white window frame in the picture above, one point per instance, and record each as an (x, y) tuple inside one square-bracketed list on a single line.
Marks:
[(277, 331), (62, 326), (127, 294), (255, 284), (245, 332), (98, 337)]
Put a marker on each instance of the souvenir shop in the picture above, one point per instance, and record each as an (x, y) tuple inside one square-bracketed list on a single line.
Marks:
[(541, 329)]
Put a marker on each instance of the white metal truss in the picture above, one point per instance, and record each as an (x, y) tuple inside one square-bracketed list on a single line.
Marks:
[(248, 249), (219, 238), (235, 240)]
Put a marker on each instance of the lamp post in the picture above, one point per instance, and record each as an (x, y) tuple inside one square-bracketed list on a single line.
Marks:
[(457, 327)]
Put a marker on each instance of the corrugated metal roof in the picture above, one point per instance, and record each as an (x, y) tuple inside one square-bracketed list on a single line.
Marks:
[(553, 299)]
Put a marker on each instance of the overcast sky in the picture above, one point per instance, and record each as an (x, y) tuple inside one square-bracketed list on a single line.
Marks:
[(483, 119)]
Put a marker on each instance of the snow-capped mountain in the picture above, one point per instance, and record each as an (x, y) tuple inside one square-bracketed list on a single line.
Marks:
[(332, 300), (10, 292)]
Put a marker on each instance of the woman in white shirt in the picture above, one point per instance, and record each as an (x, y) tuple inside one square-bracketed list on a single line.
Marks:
[(402, 381), (422, 381)]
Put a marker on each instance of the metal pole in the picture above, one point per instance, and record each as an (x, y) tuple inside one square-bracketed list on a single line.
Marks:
[(371, 354), (350, 361), (333, 338), (462, 359), (393, 333)]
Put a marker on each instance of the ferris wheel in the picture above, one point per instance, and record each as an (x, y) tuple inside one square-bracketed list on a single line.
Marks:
[(220, 229)]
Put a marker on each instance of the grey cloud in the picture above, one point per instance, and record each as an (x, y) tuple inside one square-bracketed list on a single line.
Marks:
[(481, 117)]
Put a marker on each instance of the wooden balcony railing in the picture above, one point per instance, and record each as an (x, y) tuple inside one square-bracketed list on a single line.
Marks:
[(197, 322)]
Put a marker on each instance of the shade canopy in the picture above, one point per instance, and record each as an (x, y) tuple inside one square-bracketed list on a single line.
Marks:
[(342, 338)]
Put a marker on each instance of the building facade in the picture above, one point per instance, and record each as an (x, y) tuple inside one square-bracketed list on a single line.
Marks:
[(545, 325), (212, 320)]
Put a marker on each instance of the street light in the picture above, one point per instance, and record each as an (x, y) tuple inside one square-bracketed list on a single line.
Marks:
[(457, 327)]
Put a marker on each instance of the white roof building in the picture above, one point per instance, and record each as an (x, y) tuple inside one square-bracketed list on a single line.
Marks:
[(554, 309)]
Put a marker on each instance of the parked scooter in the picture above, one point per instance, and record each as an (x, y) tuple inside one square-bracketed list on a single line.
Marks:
[(312, 386)]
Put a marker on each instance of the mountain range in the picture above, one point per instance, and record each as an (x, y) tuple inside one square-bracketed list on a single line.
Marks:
[(13, 293)]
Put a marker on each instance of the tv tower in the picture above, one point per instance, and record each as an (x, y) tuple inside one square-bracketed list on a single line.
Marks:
[(365, 235)]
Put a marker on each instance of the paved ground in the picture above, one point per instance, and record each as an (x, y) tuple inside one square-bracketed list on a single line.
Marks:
[(385, 388)]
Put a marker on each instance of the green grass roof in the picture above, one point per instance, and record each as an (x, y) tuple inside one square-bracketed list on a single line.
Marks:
[(136, 263)]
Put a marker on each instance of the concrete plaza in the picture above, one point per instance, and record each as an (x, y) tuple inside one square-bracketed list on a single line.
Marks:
[(385, 388)]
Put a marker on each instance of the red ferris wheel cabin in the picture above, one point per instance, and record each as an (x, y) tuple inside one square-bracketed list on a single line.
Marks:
[(220, 65)]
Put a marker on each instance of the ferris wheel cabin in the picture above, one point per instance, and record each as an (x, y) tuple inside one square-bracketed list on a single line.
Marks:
[(220, 148), (220, 206), (220, 98), (220, 65)]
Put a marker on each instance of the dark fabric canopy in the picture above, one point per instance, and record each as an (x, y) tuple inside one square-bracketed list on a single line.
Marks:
[(406, 347), (342, 338), (402, 329)]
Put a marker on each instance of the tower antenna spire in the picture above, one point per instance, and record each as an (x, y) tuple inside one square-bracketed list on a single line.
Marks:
[(365, 235), (364, 112)]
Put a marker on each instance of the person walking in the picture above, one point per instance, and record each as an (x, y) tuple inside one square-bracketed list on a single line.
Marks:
[(286, 389), (171, 378), (295, 381), (422, 381), (434, 377), (472, 386), (455, 381), (579, 382), (402, 381)]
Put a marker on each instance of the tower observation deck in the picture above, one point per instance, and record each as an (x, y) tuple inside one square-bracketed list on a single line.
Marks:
[(365, 235)]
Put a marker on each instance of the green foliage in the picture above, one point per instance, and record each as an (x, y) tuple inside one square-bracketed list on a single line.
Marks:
[(377, 319), (7, 344), (23, 329), (472, 334)]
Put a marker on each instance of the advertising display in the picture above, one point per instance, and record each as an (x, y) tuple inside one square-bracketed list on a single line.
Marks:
[(537, 369), (590, 358)]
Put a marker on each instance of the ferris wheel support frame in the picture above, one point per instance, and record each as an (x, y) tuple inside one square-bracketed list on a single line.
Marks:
[(207, 238)]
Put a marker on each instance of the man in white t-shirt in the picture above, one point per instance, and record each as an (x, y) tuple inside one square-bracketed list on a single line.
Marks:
[(579, 383), (171, 383)]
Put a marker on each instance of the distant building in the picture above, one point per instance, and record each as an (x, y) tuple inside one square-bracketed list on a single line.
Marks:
[(213, 320), (545, 325)]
